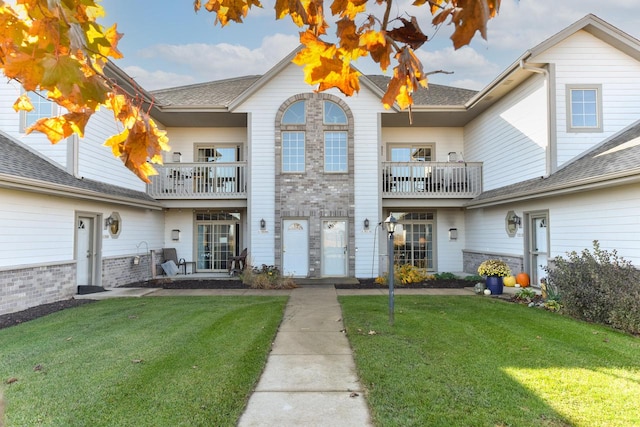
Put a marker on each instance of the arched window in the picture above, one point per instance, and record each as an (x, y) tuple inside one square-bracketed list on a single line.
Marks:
[(295, 114), (333, 114)]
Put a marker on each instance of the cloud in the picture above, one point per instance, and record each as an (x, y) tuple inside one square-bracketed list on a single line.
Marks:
[(151, 80), (470, 69), (207, 62)]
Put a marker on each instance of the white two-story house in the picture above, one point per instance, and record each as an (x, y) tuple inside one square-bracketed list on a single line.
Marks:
[(542, 161)]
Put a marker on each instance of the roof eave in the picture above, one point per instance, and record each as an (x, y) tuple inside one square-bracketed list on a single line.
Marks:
[(42, 187), (613, 180)]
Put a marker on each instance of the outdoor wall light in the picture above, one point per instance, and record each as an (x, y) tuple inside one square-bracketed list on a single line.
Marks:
[(177, 157), (390, 223), (175, 235), (453, 234), (263, 224), (366, 223)]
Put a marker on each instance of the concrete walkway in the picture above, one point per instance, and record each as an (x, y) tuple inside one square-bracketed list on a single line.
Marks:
[(310, 377)]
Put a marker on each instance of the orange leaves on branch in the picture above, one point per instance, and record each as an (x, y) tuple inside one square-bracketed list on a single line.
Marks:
[(409, 33), (58, 48), (326, 65), (227, 10), (468, 16), (407, 77)]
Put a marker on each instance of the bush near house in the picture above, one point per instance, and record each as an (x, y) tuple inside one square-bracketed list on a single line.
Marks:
[(266, 277), (405, 274), (599, 287)]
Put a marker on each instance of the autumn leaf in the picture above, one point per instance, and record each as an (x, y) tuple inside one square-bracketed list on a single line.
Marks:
[(468, 16), (58, 128), (348, 8), (409, 33), (376, 43), (23, 103)]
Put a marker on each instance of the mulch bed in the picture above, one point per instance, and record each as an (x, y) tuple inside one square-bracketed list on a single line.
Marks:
[(12, 319)]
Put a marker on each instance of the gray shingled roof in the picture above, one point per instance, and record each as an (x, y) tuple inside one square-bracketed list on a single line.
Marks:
[(618, 156), (19, 162), (221, 93)]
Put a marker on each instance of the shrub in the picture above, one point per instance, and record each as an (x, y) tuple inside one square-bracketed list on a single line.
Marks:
[(598, 286), (405, 274), (494, 267), (266, 277), (445, 276)]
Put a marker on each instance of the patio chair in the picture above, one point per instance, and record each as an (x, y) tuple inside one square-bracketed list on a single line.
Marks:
[(170, 254), (238, 263)]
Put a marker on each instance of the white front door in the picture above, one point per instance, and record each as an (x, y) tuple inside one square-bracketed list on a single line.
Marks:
[(538, 246), (85, 250), (334, 248), (295, 247)]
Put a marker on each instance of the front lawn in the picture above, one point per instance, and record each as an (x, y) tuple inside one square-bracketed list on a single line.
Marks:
[(476, 361), (138, 362)]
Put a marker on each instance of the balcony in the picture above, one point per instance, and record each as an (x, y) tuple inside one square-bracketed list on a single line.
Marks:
[(431, 179), (199, 181)]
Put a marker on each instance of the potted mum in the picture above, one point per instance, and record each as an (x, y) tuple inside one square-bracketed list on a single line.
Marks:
[(494, 270)]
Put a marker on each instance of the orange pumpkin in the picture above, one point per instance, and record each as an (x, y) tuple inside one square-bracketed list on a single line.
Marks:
[(522, 279)]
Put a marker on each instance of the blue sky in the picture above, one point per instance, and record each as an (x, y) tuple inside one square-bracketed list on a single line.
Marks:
[(166, 44)]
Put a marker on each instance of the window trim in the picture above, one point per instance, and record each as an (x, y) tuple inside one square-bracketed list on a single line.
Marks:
[(569, 105), (23, 114), (346, 151), (304, 154)]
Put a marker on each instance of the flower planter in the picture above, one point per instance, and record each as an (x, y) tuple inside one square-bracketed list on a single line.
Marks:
[(494, 284)]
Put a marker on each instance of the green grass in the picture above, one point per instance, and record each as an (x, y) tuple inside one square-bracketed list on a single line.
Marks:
[(475, 361), (138, 362)]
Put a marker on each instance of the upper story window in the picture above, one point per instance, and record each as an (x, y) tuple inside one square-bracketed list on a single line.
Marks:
[(217, 153), (42, 108), (584, 108), (335, 152), (293, 152), (411, 153), (295, 114), (333, 114)]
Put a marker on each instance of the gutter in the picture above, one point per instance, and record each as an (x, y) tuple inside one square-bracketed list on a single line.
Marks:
[(52, 189), (551, 137)]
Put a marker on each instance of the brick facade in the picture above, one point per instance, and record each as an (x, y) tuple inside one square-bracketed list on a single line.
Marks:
[(31, 286), (471, 261), (315, 195), (122, 270)]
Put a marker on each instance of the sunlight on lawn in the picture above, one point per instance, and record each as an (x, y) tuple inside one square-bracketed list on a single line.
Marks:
[(564, 389)]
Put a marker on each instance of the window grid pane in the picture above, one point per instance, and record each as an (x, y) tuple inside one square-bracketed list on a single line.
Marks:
[(293, 152), (42, 108), (584, 108), (335, 152)]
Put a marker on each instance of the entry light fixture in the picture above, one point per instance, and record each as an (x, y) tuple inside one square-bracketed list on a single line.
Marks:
[(366, 223), (453, 234), (263, 224)]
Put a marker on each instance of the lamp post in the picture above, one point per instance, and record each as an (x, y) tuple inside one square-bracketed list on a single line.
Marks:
[(390, 223)]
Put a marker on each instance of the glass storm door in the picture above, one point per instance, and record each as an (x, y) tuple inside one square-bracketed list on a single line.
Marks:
[(334, 248), (216, 243)]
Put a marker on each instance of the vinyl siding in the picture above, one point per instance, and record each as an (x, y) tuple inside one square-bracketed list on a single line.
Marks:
[(96, 161), (585, 59), (29, 237), (511, 137)]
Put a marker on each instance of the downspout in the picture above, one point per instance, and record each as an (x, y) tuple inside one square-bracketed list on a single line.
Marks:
[(551, 157)]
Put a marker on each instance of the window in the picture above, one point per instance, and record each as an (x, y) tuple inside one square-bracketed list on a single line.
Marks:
[(584, 108), (335, 151), (293, 152), (295, 114), (220, 154), (333, 114), (42, 108)]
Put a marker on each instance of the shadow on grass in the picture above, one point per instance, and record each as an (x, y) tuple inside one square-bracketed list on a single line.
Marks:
[(476, 361)]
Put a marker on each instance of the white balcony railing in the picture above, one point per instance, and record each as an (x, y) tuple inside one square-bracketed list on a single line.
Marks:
[(431, 179), (199, 181)]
